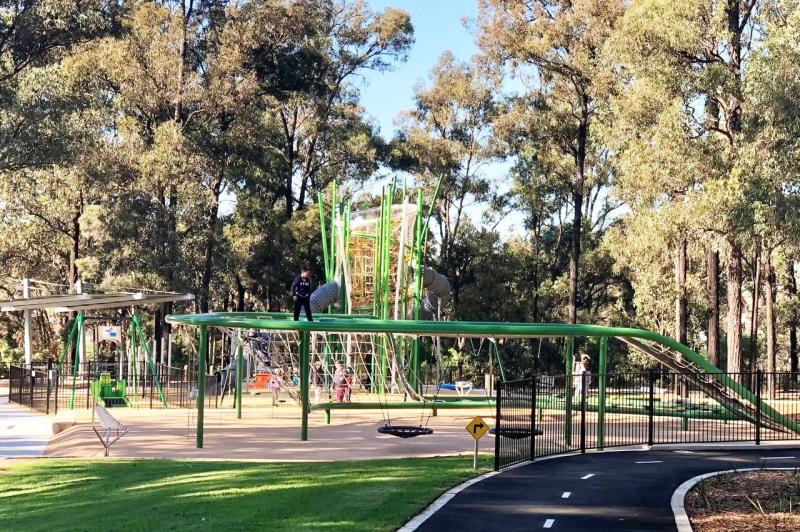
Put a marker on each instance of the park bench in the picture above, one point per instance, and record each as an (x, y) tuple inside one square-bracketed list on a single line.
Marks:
[(111, 429)]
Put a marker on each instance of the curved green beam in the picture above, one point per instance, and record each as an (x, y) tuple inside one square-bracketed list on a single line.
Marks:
[(362, 324)]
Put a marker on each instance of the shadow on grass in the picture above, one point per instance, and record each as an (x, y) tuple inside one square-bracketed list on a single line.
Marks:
[(191, 495)]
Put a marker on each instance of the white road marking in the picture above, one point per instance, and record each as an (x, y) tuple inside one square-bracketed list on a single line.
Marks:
[(548, 523), (777, 457), (566, 494), (590, 475), (685, 452), (650, 462)]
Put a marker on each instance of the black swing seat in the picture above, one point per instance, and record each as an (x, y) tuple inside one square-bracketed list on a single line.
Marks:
[(405, 431), (515, 433)]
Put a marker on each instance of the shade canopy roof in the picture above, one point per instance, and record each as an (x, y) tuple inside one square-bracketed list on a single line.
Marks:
[(83, 302)]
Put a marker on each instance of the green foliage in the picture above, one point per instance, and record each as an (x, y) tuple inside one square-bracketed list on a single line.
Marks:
[(148, 144)]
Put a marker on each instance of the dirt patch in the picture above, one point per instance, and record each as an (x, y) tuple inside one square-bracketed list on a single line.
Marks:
[(746, 502)]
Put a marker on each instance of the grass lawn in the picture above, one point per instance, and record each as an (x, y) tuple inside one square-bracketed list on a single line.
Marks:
[(151, 495)]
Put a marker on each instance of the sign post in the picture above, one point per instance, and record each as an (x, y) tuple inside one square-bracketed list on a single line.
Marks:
[(477, 428)]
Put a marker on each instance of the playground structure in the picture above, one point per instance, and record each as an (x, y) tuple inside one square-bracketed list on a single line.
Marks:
[(375, 265), (96, 343), (384, 308), (737, 402), (103, 390)]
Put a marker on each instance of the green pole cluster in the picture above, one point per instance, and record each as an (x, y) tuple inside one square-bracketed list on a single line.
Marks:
[(73, 332), (149, 358), (77, 333)]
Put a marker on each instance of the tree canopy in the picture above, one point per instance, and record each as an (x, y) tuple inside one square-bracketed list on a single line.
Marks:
[(648, 149)]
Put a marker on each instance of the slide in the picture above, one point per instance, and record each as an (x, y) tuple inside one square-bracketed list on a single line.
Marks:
[(729, 393)]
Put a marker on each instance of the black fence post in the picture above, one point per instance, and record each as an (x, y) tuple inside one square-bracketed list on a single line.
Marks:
[(497, 427), (49, 375), (32, 385), (759, 380), (584, 385), (88, 369), (533, 419), (57, 375), (651, 408)]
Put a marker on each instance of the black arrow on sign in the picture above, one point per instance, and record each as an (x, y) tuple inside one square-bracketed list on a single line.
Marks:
[(477, 427)]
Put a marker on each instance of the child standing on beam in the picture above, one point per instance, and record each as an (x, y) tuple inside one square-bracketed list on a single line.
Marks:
[(301, 293)]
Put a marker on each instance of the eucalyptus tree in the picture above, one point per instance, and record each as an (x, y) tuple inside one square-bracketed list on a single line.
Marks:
[(561, 43), (683, 68), (449, 135)]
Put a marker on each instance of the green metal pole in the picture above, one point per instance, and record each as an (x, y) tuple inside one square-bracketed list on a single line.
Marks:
[(332, 246), (601, 393), (304, 363), (386, 289), (239, 371), (418, 289), (201, 383), (376, 272), (500, 361), (134, 362), (325, 254), (569, 391), (149, 358), (78, 341)]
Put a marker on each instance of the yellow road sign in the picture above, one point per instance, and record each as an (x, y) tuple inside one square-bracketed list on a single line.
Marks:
[(477, 428)]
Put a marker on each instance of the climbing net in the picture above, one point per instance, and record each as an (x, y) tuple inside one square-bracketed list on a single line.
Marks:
[(364, 256)]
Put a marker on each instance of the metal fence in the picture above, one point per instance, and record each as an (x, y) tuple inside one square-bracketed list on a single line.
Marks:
[(48, 388), (549, 415)]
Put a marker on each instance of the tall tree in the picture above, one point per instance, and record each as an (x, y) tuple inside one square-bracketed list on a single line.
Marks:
[(450, 135), (562, 42)]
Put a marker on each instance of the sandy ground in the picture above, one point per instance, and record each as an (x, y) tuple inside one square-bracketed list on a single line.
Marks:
[(268, 433)]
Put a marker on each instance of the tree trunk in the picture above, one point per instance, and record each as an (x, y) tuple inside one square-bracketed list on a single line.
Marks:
[(239, 295), (712, 291), (734, 362), (75, 244), (577, 221), (681, 304), (771, 332), (753, 355), (535, 272), (213, 216), (574, 258), (792, 289), (158, 333)]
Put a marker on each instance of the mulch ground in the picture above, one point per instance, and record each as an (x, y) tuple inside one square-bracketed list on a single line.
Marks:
[(746, 502)]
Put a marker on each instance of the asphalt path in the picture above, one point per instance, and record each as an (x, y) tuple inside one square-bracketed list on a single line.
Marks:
[(614, 491)]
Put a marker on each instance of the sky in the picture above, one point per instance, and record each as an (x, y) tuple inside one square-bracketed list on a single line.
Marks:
[(438, 27)]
